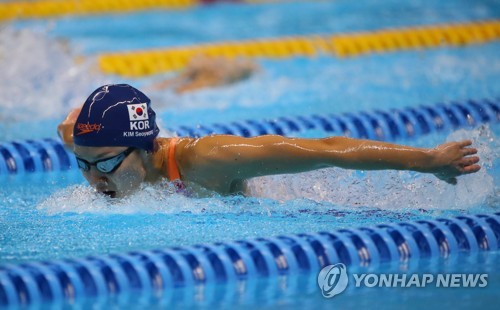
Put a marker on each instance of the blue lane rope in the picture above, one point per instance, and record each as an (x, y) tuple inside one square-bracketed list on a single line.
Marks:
[(19, 157), (163, 270)]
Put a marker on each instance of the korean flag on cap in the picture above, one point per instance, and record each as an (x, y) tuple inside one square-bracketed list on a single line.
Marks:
[(137, 112)]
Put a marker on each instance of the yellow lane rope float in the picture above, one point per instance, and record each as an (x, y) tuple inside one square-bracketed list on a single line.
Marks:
[(56, 8), (141, 63)]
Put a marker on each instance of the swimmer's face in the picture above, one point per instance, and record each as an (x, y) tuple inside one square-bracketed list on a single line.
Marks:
[(124, 179)]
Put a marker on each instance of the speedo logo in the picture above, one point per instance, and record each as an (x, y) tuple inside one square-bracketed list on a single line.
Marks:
[(87, 128)]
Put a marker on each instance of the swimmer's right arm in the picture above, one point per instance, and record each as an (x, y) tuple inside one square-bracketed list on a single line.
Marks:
[(65, 129)]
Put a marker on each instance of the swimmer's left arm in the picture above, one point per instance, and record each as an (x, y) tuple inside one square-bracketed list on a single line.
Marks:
[(226, 159), (65, 129)]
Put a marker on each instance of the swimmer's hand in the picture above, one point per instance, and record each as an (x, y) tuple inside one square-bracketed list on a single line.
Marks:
[(65, 129), (452, 159)]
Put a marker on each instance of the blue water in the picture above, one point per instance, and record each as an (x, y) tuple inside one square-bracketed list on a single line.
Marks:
[(320, 85), (56, 215), (301, 291), (328, 85), (220, 22)]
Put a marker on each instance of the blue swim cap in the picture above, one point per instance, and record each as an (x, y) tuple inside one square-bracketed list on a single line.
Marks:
[(116, 115)]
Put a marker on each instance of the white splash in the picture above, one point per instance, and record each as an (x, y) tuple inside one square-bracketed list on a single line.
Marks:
[(41, 75), (84, 199), (317, 191), (160, 198), (390, 189)]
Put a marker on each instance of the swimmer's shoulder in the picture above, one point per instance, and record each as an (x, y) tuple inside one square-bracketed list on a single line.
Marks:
[(192, 151), (163, 146)]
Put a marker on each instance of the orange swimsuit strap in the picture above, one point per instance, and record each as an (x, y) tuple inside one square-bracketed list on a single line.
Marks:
[(172, 167)]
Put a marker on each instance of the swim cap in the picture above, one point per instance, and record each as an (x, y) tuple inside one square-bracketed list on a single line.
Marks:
[(116, 115)]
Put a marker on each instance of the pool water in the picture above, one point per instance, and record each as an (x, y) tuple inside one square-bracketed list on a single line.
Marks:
[(50, 66), (223, 22), (45, 215), (301, 291)]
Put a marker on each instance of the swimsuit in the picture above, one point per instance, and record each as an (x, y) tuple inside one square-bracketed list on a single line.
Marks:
[(174, 175), (172, 167)]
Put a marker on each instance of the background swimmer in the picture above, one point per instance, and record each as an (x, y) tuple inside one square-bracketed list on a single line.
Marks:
[(203, 71), (115, 160)]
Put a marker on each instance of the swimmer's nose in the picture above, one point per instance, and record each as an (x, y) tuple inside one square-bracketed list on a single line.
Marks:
[(96, 176)]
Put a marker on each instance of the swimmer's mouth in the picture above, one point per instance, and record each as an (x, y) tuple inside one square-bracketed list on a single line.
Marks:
[(111, 194)]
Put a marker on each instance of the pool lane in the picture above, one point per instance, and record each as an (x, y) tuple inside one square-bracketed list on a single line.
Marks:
[(228, 21)]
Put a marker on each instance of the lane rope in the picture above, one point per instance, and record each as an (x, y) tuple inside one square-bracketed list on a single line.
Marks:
[(137, 64), (18, 157), (42, 9), (57, 8), (160, 271)]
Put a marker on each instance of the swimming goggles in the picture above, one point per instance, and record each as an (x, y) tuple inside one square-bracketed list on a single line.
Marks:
[(105, 165)]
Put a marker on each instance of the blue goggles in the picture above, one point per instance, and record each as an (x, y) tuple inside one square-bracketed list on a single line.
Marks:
[(105, 165)]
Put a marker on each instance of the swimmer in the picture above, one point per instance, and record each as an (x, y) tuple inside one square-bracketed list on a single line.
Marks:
[(114, 138), (203, 71)]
